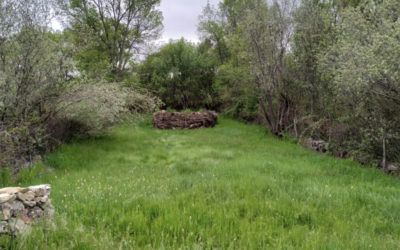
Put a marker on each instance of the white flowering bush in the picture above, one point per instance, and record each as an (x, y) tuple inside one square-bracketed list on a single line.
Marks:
[(90, 108)]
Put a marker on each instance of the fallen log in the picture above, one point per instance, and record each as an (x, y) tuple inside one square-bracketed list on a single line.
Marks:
[(193, 120)]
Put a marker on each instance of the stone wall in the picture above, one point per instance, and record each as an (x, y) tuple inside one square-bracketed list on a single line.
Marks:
[(21, 207), (317, 145)]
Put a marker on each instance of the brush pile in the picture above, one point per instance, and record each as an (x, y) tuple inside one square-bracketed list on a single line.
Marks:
[(176, 120)]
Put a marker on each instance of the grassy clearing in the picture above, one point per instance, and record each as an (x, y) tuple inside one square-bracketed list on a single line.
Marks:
[(233, 186)]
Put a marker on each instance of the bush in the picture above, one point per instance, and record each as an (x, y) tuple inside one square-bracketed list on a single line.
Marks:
[(93, 106), (181, 75), (87, 109), (20, 145), (236, 92), (363, 67), (81, 109)]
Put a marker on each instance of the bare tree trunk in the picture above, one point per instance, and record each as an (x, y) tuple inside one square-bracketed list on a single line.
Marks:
[(296, 132), (384, 161)]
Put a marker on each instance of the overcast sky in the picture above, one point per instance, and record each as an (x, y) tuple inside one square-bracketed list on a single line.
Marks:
[(181, 18)]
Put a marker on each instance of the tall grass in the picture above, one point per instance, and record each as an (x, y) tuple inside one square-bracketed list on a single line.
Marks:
[(230, 187)]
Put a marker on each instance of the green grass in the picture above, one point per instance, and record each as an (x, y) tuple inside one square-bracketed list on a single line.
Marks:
[(230, 187)]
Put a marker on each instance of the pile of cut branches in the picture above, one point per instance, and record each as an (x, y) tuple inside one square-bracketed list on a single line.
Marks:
[(193, 120)]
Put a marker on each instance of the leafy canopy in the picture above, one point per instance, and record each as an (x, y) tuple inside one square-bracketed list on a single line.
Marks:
[(181, 74)]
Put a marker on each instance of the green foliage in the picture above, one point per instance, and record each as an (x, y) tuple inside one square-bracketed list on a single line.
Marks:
[(267, 30), (20, 144), (33, 67), (181, 75), (236, 91), (30, 76), (94, 107), (212, 28), (322, 69), (314, 32), (109, 34), (42, 100), (234, 82), (228, 187), (92, 61)]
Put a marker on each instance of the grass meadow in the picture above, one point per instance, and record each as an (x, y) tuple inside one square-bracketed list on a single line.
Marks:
[(230, 187)]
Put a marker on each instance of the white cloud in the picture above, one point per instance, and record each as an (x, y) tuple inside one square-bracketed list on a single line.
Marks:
[(181, 18)]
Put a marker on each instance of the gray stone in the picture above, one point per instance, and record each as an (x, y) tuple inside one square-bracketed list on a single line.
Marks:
[(13, 190), (393, 167), (29, 203), (4, 229), (317, 145), (18, 226), (36, 213), (40, 200), (5, 197), (6, 215), (41, 190), (17, 208), (27, 198), (6, 211), (48, 210)]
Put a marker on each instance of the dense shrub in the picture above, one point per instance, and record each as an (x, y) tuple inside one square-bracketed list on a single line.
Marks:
[(20, 145), (81, 109), (236, 92), (363, 67), (181, 75), (33, 68), (89, 108)]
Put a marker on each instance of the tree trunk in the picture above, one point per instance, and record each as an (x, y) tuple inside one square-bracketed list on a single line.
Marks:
[(384, 160)]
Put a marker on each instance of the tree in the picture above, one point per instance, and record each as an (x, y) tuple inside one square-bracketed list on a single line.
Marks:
[(267, 30), (113, 30), (314, 32), (31, 65), (233, 81), (181, 75), (211, 27), (363, 66), (236, 91), (32, 71)]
